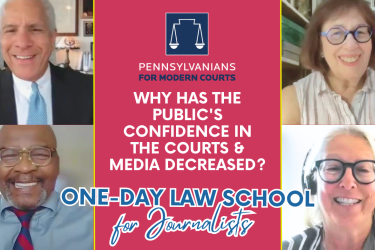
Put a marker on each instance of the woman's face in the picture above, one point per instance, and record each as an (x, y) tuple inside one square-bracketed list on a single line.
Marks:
[(350, 59), (348, 149)]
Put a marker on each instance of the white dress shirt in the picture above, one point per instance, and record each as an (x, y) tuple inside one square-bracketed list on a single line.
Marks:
[(22, 92)]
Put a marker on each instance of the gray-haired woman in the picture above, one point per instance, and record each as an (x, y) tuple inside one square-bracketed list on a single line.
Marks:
[(340, 172)]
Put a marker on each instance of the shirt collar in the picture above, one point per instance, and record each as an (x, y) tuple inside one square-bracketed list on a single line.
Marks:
[(51, 204), (368, 86), (322, 85), (370, 81), (24, 87)]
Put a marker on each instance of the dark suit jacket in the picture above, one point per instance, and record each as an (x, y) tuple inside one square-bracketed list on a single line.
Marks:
[(72, 97)]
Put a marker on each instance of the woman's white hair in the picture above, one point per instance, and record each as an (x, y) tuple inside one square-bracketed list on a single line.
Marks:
[(48, 8), (313, 216)]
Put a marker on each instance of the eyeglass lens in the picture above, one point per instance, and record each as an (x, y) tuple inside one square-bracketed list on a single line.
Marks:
[(38, 156), (332, 171), (337, 35)]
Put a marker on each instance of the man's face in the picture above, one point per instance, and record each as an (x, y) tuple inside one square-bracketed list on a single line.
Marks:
[(26, 40), (27, 186)]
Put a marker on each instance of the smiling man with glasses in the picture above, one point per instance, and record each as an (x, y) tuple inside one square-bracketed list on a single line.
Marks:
[(31, 213)]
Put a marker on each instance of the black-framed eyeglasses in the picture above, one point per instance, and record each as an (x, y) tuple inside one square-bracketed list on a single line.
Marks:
[(332, 170), (337, 35), (39, 156)]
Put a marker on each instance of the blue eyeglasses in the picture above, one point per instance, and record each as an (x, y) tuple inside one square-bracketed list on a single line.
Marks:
[(337, 35)]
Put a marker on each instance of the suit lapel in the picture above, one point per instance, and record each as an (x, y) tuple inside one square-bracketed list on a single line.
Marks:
[(8, 111), (58, 97)]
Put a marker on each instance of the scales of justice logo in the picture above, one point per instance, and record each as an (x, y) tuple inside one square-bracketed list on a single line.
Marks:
[(186, 33)]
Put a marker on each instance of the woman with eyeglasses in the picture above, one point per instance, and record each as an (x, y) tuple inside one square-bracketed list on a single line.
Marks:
[(339, 48), (340, 172)]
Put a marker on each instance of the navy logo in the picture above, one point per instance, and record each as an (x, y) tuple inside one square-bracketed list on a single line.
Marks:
[(186, 33)]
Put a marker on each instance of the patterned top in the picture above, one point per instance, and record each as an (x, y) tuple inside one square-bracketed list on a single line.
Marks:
[(311, 239), (308, 240), (321, 105)]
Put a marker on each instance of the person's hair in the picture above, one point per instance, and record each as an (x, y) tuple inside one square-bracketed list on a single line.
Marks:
[(48, 8), (313, 216), (312, 46)]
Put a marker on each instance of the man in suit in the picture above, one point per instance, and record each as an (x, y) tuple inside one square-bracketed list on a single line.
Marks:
[(33, 91)]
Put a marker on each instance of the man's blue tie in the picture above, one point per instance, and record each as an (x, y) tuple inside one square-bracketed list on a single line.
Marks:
[(37, 107)]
